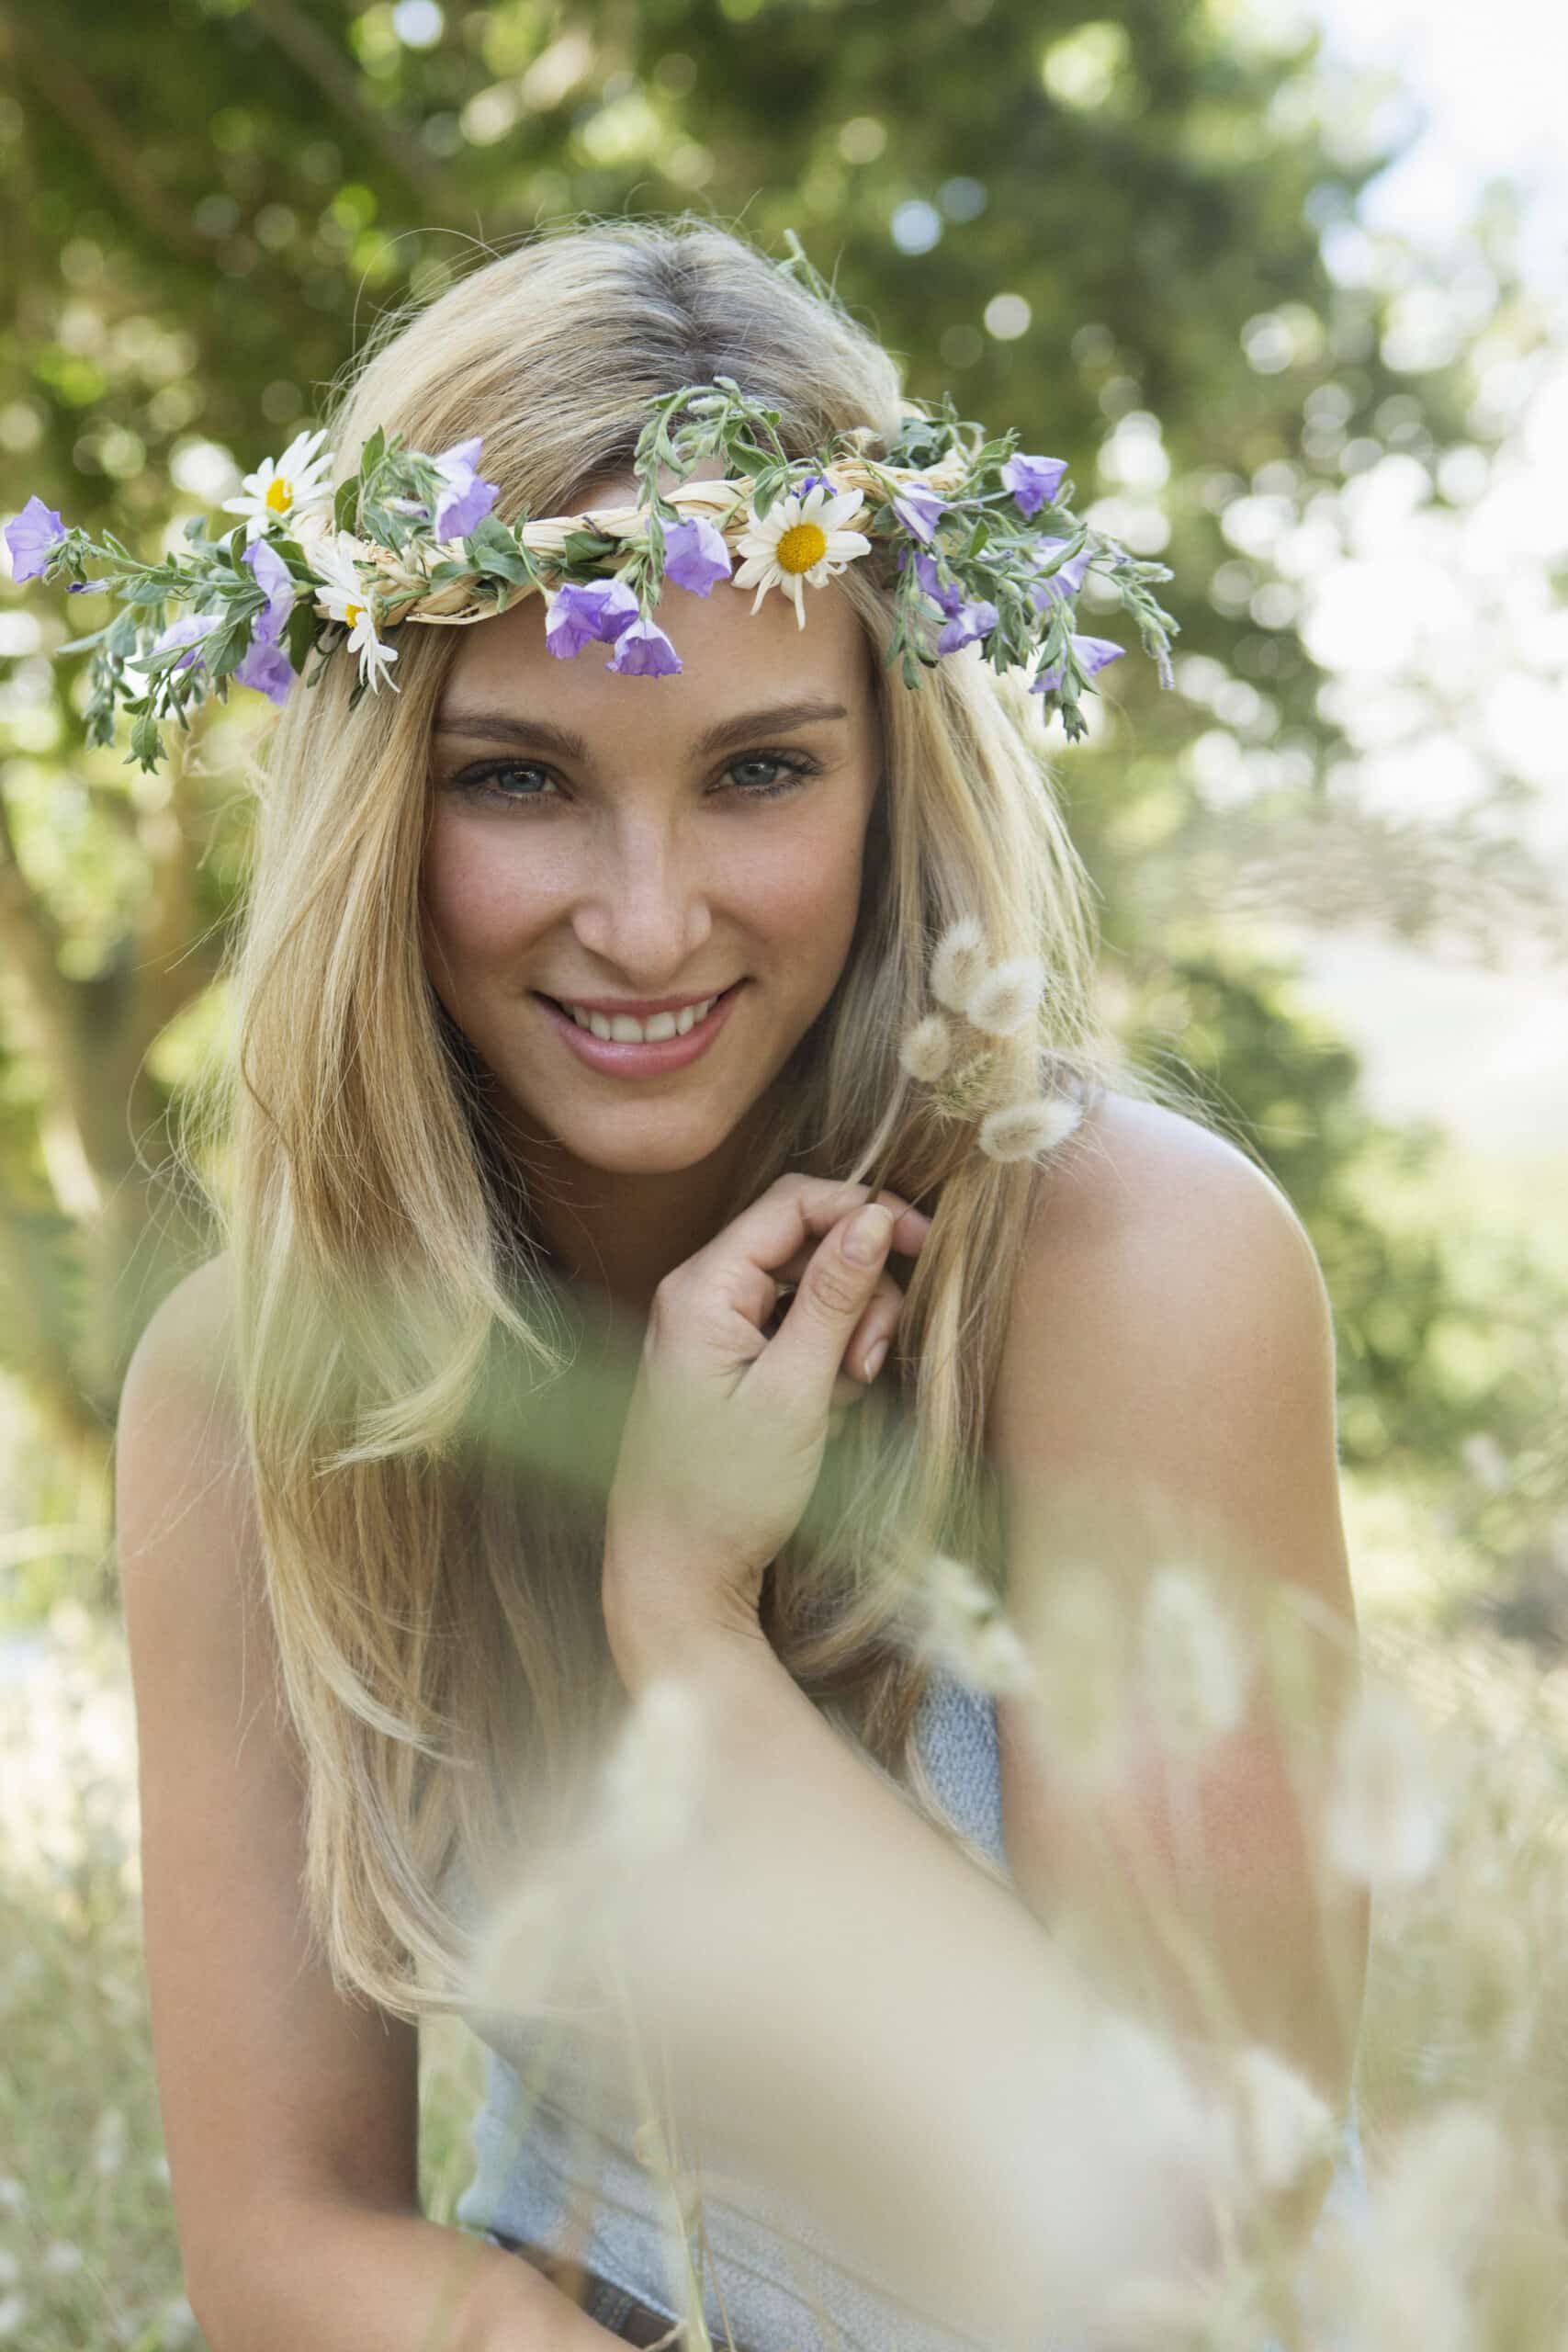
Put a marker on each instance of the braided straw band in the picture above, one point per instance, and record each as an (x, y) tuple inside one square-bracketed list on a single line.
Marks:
[(725, 504)]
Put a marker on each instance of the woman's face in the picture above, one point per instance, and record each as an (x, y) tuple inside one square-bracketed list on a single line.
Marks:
[(600, 839)]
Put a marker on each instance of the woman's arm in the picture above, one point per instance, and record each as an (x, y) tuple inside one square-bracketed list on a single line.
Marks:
[(882, 2026), (346, 2278), (290, 2113), (1167, 1398), (858, 2018)]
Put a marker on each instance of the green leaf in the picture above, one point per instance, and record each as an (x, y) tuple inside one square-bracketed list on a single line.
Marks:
[(299, 631), (345, 504), (226, 648), (146, 743), (378, 523), (588, 547)]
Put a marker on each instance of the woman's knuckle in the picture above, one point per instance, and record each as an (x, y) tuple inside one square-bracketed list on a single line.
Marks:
[(837, 1290)]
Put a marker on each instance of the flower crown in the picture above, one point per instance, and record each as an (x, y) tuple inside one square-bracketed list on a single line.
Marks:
[(977, 538)]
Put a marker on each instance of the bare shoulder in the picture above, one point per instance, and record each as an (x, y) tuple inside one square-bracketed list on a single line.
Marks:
[(1137, 1173), (179, 1442), (189, 1335), (182, 1368), (1170, 1328)]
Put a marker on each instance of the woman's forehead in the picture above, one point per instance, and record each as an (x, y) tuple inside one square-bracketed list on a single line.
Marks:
[(732, 659)]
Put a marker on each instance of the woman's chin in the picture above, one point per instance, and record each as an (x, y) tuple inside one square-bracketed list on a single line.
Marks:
[(661, 1144)]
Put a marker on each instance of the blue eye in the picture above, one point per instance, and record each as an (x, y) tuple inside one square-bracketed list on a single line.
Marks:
[(485, 782), (796, 770)]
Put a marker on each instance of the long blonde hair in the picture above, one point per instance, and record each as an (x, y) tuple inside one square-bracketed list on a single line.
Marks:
[(430, 1537)]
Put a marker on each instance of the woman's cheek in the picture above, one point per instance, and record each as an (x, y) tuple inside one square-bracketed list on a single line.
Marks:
[(478, 910)]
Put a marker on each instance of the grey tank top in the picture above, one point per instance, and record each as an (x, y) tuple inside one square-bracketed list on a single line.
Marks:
[(538, 2164)]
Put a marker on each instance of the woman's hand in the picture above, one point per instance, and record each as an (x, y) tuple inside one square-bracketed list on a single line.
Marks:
[(726, 1428)]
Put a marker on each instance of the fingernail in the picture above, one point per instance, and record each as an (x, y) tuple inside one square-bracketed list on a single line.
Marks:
[(874, 1361), (870, 1231)]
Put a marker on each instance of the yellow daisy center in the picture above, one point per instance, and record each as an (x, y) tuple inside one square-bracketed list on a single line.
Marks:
[(800, 547), (279, 494), (351, 612)]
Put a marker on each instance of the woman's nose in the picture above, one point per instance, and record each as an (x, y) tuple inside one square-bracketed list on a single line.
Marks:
[(645, 908)]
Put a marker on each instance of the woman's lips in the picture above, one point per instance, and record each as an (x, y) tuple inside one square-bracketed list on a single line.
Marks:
[(620, 1060)]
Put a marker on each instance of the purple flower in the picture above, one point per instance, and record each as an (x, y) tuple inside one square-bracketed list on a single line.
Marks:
[(191, 629), (943, 592), (35, 531), (84, 587), (264, 664), (1091, 654), (466, 500), (920, 510), (265, 667), (1066, 580), (643, 651), (970, 621), (588, 612), (1033, 481), (696, 555), (273, 575)]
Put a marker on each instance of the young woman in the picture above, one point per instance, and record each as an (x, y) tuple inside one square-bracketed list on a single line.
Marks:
[(546, 1368)]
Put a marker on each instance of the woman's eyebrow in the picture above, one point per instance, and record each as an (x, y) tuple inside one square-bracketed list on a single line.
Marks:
[(499, 726)]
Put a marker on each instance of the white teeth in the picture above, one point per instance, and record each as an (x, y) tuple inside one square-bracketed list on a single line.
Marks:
[(622, 1029)]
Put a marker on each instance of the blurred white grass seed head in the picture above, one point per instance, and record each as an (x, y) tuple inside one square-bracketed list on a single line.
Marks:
[(1195, 1668), (109, 2141), (652, 1779), (1448, 2179), (1185, 2132), (1082, 1675), (1386, 1816), (959, 1624), (521, 1946), (1399, 2277), (1218, 2313), (1284, 2125), (649, 1789)]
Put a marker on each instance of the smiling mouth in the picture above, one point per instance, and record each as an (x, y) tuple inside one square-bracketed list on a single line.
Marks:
[(714, 1003)]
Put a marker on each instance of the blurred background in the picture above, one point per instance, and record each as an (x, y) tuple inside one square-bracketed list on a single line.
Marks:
[(1286, 281)]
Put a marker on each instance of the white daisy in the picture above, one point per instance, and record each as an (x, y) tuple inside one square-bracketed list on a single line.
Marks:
[(342, 598), (800, 538), (281, 489)]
